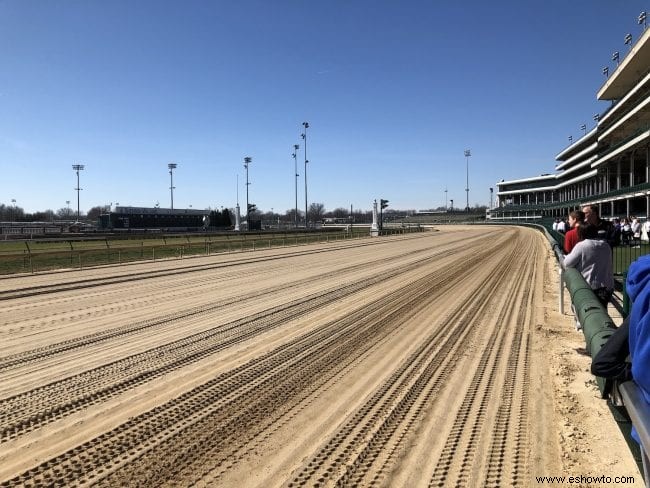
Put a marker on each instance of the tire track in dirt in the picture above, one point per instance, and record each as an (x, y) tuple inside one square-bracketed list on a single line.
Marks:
[(208, 434), (31, 410), (285, 367), (365, 450)]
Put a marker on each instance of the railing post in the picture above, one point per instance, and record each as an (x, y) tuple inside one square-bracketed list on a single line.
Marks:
[(561, 293), (626, 297)]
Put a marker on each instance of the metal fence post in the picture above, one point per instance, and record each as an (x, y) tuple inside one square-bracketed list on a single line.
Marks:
[(626, 297)]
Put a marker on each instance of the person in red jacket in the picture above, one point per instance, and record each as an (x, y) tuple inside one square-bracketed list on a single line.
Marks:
[(576, 218)]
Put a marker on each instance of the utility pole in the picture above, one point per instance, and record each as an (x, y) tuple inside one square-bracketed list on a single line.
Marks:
[(77, 168), (467, 155), (247, 161), (172, 167), (295, 170), (304, 136)]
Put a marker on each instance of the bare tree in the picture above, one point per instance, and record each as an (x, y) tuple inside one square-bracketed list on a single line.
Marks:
[(316, 211), (65, 213), (95, 212), (340, 213)]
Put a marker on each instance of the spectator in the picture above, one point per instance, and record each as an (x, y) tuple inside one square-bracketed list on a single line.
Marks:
[(604, 227), (561, 226), (592, 257), (557, 221), (626, 232), (636, 231), (571, 237), (638, 288), (617, 230), (645, 231)]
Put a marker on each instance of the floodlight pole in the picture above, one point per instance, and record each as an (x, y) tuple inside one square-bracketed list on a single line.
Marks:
[(295, 168), (172, 167), (237, 216), (304, 136), (467, 155), (77, 168), (247, 161)]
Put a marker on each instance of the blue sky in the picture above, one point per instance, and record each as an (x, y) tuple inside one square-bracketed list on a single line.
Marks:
[(394, 92)]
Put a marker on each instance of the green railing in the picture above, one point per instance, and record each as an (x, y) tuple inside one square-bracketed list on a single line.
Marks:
[(598, 327), (50, 255)]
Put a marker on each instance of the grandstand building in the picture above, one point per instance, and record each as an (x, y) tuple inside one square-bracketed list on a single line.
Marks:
[(608, 166)]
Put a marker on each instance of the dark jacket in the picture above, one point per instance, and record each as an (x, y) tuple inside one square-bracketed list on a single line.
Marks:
[(606, 232), (611, 361)]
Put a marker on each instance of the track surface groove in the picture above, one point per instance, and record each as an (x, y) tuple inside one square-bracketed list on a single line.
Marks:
[(402, 361)]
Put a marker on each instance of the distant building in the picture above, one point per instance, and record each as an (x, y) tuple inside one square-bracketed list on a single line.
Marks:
[(145, 218)]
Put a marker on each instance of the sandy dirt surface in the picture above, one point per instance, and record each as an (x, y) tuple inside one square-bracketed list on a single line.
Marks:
[(431, 359)]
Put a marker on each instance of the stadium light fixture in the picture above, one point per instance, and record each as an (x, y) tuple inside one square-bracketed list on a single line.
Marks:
[(304, 137), (642, 19), (583, 128), (172, 167), (606, 72), (77, 168), (468, 153), (628, 40), (616, 57), (570, 139)]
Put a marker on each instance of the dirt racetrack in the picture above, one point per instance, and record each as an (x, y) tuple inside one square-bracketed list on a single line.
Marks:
[(432, 359)]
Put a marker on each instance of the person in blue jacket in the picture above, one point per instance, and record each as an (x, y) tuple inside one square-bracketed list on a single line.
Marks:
[(638, 288)]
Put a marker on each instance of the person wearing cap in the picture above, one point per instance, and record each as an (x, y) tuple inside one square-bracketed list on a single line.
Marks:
[(604, 228)]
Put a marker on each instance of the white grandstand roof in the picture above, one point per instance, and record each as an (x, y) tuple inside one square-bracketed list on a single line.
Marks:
[(626, 76)]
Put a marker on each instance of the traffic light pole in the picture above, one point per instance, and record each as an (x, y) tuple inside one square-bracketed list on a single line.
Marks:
[(382, 205)]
